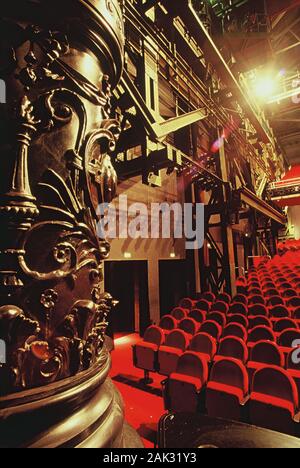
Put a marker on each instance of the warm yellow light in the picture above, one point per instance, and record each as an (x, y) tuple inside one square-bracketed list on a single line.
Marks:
[(265, 87)]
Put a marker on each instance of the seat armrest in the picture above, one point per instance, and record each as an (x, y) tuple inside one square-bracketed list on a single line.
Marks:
[(245, 401), (297, 418)]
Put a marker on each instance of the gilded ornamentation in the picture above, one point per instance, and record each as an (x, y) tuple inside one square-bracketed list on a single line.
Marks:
[(58, 133)]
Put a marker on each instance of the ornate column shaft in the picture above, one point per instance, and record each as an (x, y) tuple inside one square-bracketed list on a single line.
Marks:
[(59, 61)]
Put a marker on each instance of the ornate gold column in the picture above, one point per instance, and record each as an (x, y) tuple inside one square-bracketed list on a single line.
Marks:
[(59, 60)]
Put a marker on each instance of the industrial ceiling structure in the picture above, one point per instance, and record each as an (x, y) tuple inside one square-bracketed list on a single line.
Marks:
[(265, 36)]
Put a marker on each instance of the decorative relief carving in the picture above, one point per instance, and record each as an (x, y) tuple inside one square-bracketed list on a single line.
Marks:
[(53, 310)]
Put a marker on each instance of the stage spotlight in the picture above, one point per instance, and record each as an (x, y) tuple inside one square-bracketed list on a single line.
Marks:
[(265, 87)]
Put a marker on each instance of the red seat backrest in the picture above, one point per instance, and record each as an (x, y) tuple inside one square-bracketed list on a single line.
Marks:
[(296, 314), (257, 309), (211, 328), (256, 299), (168, 322), (189, 325), (198, 315), (238, 318), (261, 333), (204, 344), (193, 365), (259, 320), (233, 347), (275, 300), (267, 352), (224, 297), (154, 335), (203, 304), (177, 339), (208, 296), (279, 311), (186, 303), (240, 298), (179, 313), (235, 329), (287, 337), (293, 301), (218, 317), (284, 324), (231, 372), (275, 382), (238, 308), (220, 306)]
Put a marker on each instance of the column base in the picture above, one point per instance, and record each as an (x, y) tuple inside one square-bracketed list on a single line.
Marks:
[(85, 411)]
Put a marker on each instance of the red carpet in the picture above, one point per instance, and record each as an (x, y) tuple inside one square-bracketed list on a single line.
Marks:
[(144, 407)]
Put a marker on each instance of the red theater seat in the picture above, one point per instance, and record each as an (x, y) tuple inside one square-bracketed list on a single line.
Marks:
[(259, 320), (274, 400), (262, 353), (204, 344), (176, 342), (293, 302), (179, 313), (267, 352), (261, 333), (284, 324), (289, 294), (287, 337), (218, 317), (235, 329), (296, 314), (279, 311), (238, 318), (226, 389), (220, 306), (255, 296), (233, 347), (275, 301), (241, 299), (256, 299), (203, 304), (187, 303), (270, 292), (145, 352), (257, 309), (183, 387), (198, 315), (238, 308), (189, 326), (224, 297), (208, 296), (168, 323), (212, 328)]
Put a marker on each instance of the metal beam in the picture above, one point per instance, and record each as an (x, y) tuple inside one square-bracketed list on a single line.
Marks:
[(159, 130), (287, 29), (250, 199), (287, 49)]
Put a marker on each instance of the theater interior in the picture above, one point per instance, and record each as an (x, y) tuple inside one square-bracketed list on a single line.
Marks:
[(150, 224)]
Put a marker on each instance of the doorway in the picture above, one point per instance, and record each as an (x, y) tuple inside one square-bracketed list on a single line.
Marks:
[(127, 282), (173, 284)]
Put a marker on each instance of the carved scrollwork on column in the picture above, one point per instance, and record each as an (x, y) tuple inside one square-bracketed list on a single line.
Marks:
[(59, 133)]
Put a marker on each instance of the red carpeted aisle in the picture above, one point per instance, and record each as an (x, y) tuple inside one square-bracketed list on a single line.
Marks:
[(144, 405)]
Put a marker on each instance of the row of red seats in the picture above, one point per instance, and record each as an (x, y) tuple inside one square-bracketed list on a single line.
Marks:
[(230, 379), (161, 349), (271, 400), (233, 358)]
